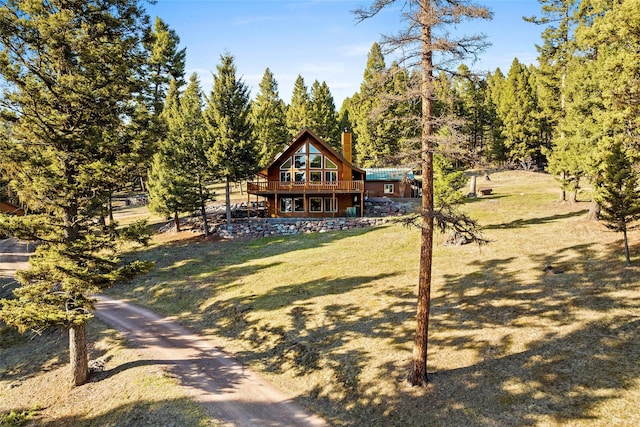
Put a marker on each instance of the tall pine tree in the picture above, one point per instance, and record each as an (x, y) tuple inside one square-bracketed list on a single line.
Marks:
[(70, 72), (323, 119), (299, 110), (268, 115), (617, 192), (425, 18), (233, 153)]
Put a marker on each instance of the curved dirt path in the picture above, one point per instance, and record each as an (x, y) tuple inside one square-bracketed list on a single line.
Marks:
[(231, 393)]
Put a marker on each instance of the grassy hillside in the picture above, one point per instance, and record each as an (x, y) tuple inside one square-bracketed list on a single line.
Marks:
[(330, 317)]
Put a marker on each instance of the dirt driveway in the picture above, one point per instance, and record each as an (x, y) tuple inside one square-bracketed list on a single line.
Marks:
[(230, 392)]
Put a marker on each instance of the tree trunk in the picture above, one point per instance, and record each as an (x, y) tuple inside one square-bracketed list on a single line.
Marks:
[(594, 212), (176, 219), (78, 356), (418, 374), (563, 192), (227, 200), (203, 208), (110, 207)]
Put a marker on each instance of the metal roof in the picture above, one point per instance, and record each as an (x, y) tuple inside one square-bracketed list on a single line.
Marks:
[(388, 174)]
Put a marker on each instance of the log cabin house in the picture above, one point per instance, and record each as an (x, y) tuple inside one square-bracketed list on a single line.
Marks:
[(312, 180)]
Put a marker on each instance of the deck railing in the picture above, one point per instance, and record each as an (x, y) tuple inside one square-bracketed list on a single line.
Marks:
[(307, 187)]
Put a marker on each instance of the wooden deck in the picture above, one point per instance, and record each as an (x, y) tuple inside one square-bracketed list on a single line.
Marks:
[(280, 187)]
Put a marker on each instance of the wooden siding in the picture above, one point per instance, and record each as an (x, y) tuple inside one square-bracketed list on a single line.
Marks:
[(376, 189), (309, 169)]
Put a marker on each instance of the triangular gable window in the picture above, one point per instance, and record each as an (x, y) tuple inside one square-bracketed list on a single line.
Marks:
[(329, 164), (313, 149), (286, 164), (302, 149)]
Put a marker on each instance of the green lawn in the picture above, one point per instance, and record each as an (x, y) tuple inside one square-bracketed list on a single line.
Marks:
[(330, 317)]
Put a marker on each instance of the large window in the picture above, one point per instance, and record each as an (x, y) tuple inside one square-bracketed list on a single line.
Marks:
[(315, 161), (330, 204), (308, 164), (315, 204), (286, 164), (286, 204), (298, 204), (315, 176), (300, 161)]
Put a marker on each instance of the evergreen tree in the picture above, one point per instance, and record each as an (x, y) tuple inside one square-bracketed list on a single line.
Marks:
[(171, 185), (298, 112), (517, 110), (268, 115), (184, 152), (369, 99), (554, 55), (470, 109), (616, 192), (70, 72), (233, 152), (166, 63), (323, 119), (426, 17), (495, 143), (609, 41)]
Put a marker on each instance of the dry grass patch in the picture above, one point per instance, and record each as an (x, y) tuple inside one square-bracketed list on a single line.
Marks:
[(131, 390)]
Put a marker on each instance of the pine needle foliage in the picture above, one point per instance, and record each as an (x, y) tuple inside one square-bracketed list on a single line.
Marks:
[(72, 73)]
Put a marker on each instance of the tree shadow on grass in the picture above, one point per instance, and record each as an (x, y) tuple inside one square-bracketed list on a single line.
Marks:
[(213, 265), (539, 369), (522, 223), (553, 348), (158, 413)]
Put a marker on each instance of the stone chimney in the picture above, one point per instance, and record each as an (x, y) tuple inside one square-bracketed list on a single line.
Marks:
[(347, 147)]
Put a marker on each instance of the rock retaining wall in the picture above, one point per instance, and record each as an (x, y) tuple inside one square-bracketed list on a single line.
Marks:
[(256, 228), (376, 211)]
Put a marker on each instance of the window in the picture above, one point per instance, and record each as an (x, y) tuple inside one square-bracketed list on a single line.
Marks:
[(285, 204), (313, 149), (330, 205), (302, 149), (286, 164), (285, 176), (388, 189), (328, 164), (298, 205), (315, 204), (315, 176), (300, 176), (315, 161), (331, 176), (300, 161)]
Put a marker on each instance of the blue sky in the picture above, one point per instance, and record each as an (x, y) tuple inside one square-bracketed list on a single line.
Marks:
[(320, 39)]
